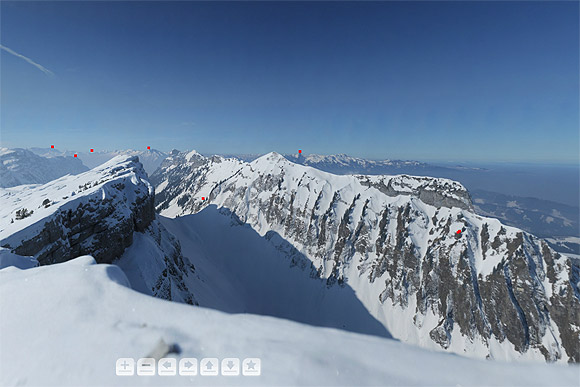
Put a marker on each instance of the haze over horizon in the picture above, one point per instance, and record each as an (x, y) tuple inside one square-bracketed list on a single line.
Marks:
[(290, 193), (466, 81), (435, 161)]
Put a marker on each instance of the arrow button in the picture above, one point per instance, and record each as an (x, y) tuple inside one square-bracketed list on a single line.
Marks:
[(209, 366), (188, 366), (167, 366), (230, 366)]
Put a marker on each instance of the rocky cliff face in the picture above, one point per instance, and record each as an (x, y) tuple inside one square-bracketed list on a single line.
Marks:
[(94, 213), (432, 271), (97, 213)]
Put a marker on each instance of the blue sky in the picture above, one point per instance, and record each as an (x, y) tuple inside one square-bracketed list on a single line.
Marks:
[(473, 81)]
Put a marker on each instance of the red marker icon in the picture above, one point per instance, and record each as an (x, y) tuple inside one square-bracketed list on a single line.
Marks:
[(52, 147), (148, 147), (75, 155), (299, 150), (458, 232), (92, 149), (203, 198)]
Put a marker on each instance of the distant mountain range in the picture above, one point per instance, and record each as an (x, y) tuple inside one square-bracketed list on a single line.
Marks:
[(343, 164), (21, 166), (545, 218), (386, 255), (151, 159)]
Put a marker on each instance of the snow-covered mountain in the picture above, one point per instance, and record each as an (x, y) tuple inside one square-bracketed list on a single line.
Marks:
[(342, 164), (108, 213), (376, 255), (150, 158), (411, 249), (544, 218), (67, 324), (20, 166)]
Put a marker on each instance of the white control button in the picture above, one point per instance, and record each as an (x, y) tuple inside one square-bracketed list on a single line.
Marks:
[(209, 366), (146, 366), (188, 366), (252, 366), (167, 366), (230, 366), (125, 366)]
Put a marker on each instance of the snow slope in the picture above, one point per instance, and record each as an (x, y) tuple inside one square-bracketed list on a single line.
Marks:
[(67, 324), (244, 272), (106, 212), (76, 212), (21, 166)]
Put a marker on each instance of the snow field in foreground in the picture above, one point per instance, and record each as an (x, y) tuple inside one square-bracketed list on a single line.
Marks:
[(67, 324)]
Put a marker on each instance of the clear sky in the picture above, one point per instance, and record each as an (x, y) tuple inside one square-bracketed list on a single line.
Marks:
[(488, 81)]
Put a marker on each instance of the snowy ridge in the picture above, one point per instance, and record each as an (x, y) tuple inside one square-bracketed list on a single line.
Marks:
[(488, 291), (104, 313), (118, 185), (106, 212)]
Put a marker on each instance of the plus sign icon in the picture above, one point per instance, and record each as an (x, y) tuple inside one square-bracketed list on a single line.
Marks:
[(125, 366)]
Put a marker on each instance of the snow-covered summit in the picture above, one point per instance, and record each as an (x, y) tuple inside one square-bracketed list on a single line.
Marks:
[(74, 214), (426, 266), (108, 213), (272, 157)]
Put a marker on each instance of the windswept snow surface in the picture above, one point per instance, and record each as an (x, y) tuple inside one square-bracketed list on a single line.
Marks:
[(67, 324)]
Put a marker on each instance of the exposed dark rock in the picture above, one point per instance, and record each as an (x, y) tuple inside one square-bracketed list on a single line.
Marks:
[(98, 227), (412, 250)]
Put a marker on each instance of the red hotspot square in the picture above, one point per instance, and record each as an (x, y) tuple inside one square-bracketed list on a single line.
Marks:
[(52, 146)]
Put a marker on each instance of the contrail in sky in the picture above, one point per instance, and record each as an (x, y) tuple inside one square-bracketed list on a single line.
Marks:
[(41, 68)]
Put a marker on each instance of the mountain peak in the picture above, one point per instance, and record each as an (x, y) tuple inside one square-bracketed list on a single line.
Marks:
[(116, 194), (413, 243), (193, 154), (271, 157)]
